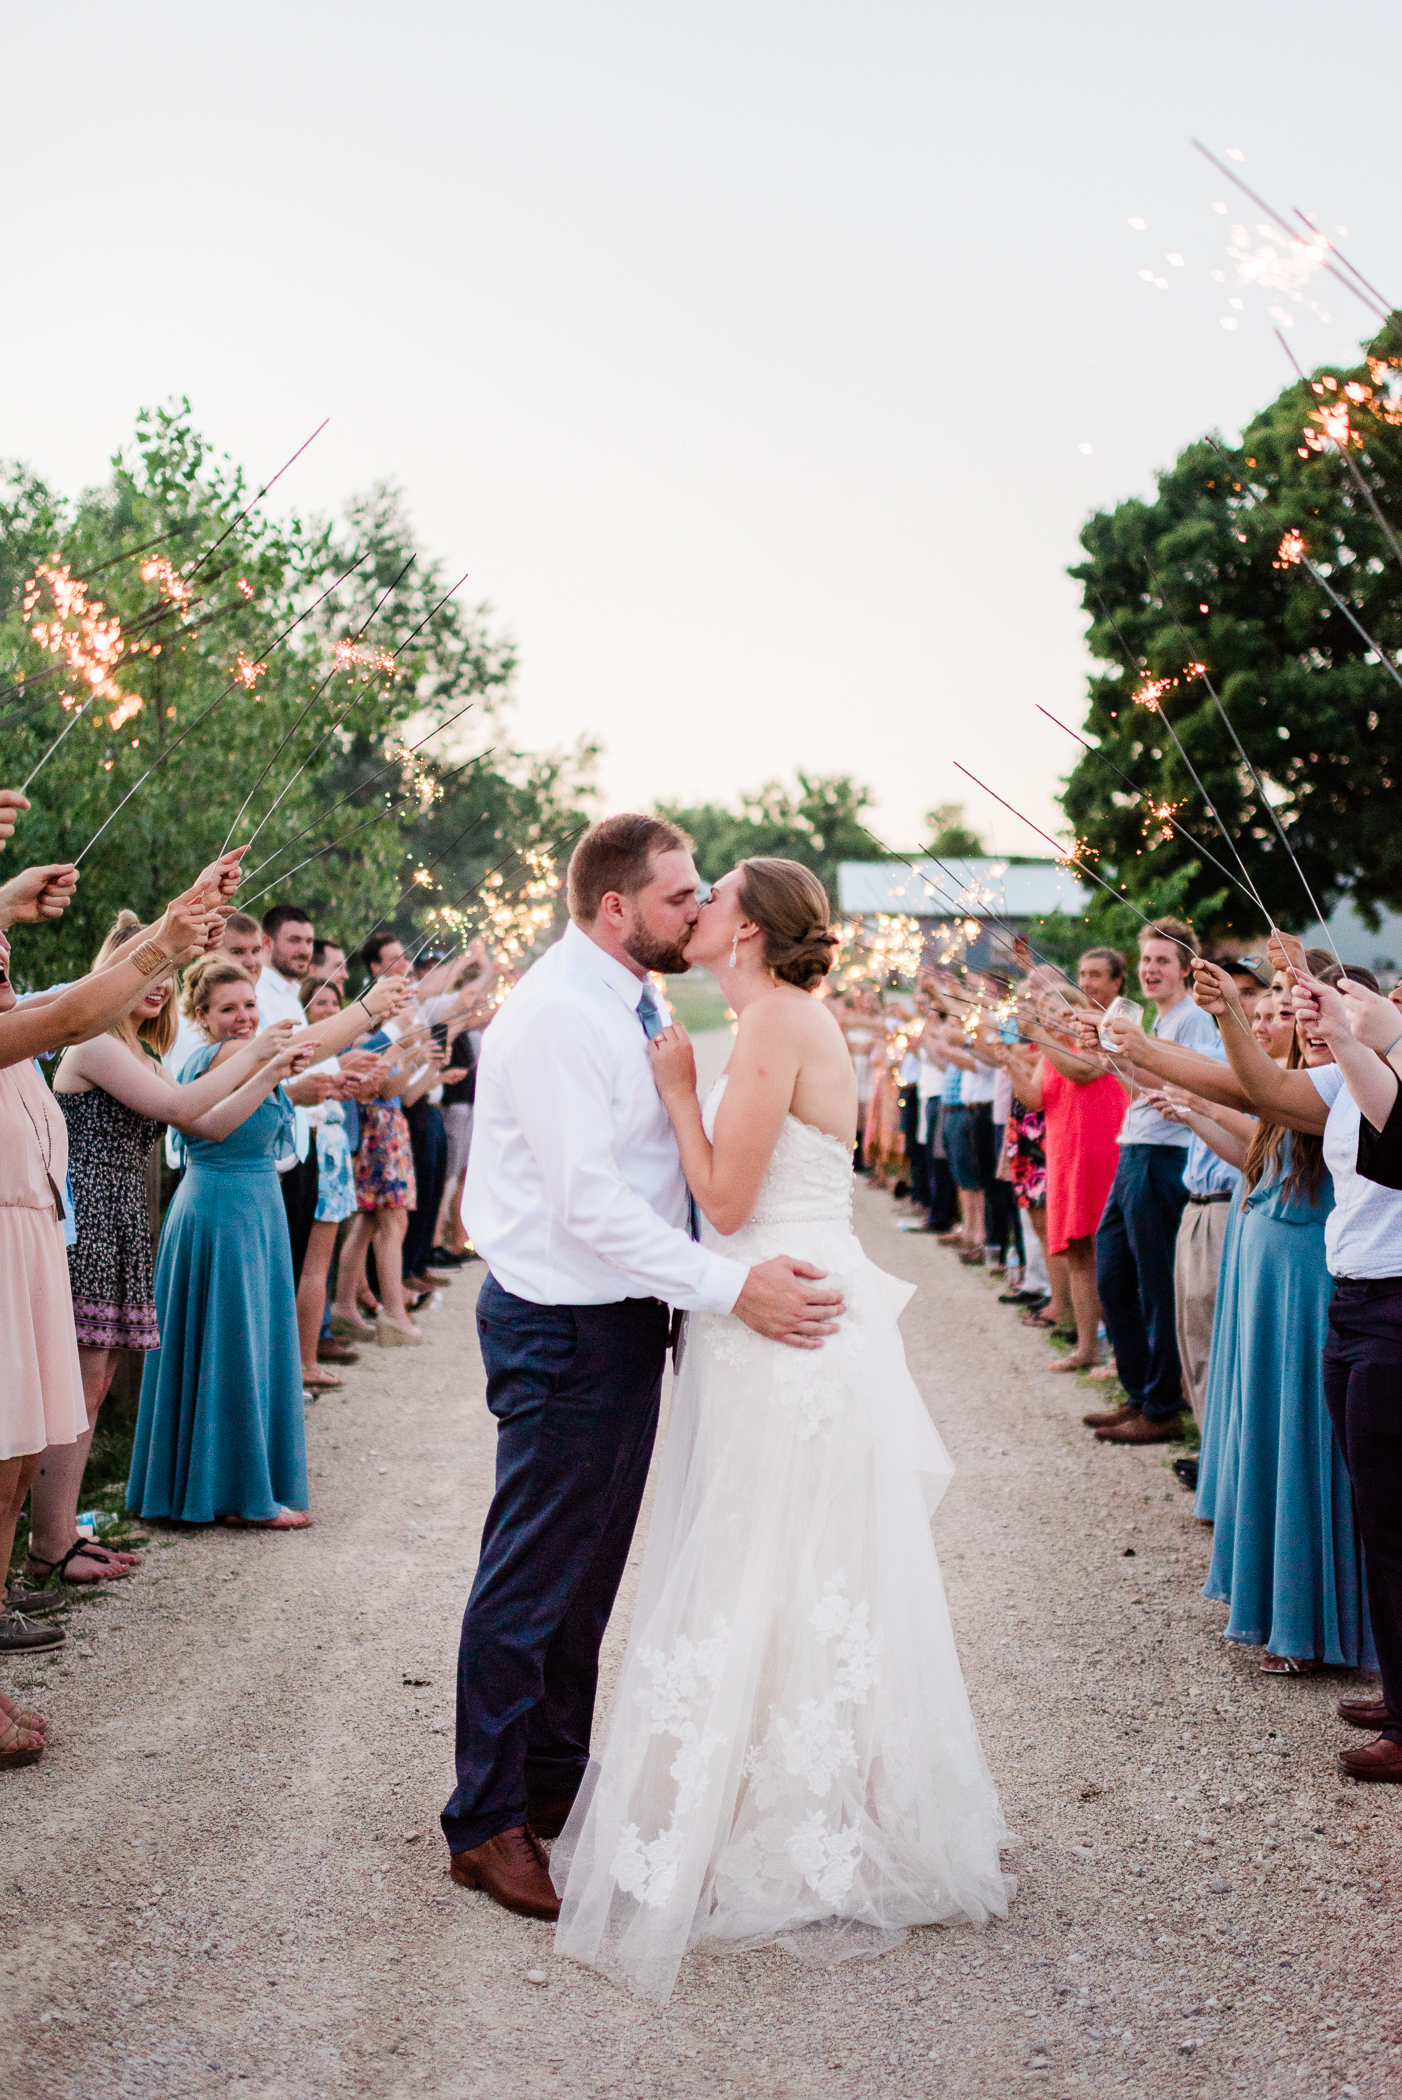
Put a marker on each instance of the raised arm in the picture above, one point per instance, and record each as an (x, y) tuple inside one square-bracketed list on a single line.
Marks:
[(1285, 1097), (725, 1176), (1368, 1077), (95, 1002), (225, 1116), (385, 998), (148, 1088)]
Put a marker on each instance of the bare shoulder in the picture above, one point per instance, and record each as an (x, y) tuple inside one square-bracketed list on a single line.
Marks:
[(789, 1019)]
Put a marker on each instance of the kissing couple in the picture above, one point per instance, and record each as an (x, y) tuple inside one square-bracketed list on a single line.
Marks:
[(791, 1749)]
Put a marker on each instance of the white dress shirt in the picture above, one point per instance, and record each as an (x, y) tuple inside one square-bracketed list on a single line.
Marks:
[(574, 1191), (278, 1001)]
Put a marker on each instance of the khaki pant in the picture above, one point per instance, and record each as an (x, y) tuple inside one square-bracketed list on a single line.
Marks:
[(1197, 1258)]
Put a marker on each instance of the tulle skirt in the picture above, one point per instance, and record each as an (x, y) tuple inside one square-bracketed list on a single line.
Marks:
[(791, 1754)]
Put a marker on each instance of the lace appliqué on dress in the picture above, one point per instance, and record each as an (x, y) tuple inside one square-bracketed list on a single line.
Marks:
[(648, 1871)]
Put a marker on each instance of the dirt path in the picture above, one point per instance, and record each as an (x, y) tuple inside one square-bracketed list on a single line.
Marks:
[(227, 1873)]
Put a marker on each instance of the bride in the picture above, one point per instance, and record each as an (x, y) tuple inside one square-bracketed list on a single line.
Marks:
[(791, 1750)]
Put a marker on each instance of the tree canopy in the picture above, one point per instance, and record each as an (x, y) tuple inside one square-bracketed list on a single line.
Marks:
[(817, 822), (1208, 574), (157, 624)]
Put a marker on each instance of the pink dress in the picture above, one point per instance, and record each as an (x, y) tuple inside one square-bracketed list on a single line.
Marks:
[(41, 1391), (1081, 1144)]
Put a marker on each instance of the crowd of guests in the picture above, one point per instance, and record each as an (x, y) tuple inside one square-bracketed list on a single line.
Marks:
[(317, 1145), (1197, 1192)]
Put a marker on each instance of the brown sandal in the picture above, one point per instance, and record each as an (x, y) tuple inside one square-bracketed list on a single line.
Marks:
[(14, 1749), (1038, 1319), (1289, 1666)]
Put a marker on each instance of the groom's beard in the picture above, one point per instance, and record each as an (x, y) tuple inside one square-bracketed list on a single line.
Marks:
[(652, 954)]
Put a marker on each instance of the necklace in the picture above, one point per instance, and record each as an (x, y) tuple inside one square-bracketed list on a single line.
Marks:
[(48, 1154)]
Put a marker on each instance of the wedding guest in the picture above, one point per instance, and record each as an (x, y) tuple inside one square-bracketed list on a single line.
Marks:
[(1138, 1233), (452, 1246), (219, 1430), (335, 1199), (41, 1394), (384, 1186), (116, 1097), (242, 942), (287, 957)]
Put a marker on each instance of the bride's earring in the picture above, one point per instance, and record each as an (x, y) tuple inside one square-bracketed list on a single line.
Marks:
[(734, 950)]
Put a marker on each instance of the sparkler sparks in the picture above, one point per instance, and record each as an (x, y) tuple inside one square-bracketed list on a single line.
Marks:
[(90, 644), (168, 581), (1291, 550), (249, 673)]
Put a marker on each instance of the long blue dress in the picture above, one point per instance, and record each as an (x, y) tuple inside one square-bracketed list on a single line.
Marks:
[(220, 1428), (1217, 1426), (1285, 1552)]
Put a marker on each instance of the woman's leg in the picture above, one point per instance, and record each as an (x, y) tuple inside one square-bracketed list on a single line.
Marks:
[(350, 1274), (58, 1482), (390, 1227), (1078, 1262), (16, 1478), (311, 1296)]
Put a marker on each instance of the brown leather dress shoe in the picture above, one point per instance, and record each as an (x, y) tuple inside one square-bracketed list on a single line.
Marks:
[(550, 1818), (1141, 1431), (513, 1871), (330, 1351), (1365, 1713), (1109, 1419), (1379, 1760)]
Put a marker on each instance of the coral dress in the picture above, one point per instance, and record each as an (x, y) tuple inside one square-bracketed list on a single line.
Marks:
[(1083, 1154), (41, 1391)]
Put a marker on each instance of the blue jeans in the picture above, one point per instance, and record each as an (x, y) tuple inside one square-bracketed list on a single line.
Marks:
[(1134, 1273), (575, 1390)]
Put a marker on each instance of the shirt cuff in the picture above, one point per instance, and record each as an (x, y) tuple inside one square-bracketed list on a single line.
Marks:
[(721, 1283)]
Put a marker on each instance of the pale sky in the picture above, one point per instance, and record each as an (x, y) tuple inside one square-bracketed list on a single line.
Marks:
[(742, 352)]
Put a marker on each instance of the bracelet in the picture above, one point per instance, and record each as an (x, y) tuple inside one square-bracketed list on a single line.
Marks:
[(1392, 1045), (149, 958)]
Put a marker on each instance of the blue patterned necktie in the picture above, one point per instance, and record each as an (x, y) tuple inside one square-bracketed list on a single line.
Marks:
[(650, 1014), (654, 1021)]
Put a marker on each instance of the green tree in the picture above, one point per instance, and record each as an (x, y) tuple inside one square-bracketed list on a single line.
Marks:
[(817, 822), (1319, 716), (371, 669), (950, 836)]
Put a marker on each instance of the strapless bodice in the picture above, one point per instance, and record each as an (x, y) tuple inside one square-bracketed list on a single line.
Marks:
[(809, 1177)]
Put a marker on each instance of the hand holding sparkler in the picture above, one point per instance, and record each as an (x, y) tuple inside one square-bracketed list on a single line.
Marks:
[(288, 1063), (221, 878), (38, 893), (1286, 951), (1374, 1020), (272, 1041), (12, 800), (1320, 1012), (388, 996)]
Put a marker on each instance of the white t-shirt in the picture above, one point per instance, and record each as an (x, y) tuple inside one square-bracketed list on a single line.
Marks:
[(977, 1086), (1185, 1023), (1363, 1233)]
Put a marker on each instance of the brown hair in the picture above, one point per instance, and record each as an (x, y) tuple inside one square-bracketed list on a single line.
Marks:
[(1176, 930), (156, 1032), (790, 907), (204, 977), (1306, 1149), (616, 855), (1112, 956), (242, 922), (310, 986)]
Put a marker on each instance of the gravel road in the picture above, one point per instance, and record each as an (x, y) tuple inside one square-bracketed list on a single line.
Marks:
[(227, 1876)]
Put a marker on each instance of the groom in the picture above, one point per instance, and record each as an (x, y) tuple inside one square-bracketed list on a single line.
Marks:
[(575, 1196)]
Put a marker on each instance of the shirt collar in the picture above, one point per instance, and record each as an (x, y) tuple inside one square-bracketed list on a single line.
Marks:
[(616, 975), (276, 979)]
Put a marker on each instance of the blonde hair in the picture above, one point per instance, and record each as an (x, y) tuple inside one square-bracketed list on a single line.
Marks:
[(310, 986), (203, 979), (790, 907), (156, 1032)]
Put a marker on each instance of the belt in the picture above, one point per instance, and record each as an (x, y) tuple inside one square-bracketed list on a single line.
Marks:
[(1221, 1196)]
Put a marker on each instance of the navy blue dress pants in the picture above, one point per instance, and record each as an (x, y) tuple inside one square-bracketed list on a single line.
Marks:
[(575, 1391), (1363, 1391), (1134, 1273)]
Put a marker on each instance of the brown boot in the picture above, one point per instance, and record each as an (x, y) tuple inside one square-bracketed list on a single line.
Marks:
[(514, 1872), (1140, 1430), (1365, 1713), (1379, 1760), (1111, 1420)]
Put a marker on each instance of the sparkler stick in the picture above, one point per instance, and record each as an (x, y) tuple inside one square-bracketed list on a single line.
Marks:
[(1260, 787), (303, 715), (389, 810), (1298, 555), (152, 617), (1348, 459), (361, 785), (258, 498), (418, 881), (516, 853), (206, 712), (143, 547), (945, 896), (335, 725), (1335, 249), (1061, 852), (1374, 305), (1177, 744), (1162, 816)]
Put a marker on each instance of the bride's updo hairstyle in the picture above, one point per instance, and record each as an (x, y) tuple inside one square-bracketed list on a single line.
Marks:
[(790, 907)]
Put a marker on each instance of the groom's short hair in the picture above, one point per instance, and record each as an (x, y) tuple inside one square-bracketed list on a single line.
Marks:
[(617, 854)]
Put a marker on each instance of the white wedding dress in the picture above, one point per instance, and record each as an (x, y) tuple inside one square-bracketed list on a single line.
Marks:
[(791, 1750)]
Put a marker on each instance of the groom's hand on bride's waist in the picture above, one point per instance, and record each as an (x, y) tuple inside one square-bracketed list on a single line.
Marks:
[(789, 1301)]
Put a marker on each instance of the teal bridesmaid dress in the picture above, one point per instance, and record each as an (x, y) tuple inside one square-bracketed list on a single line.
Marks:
[(220, 1428), (1285, 1552), (1217, 1428)]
